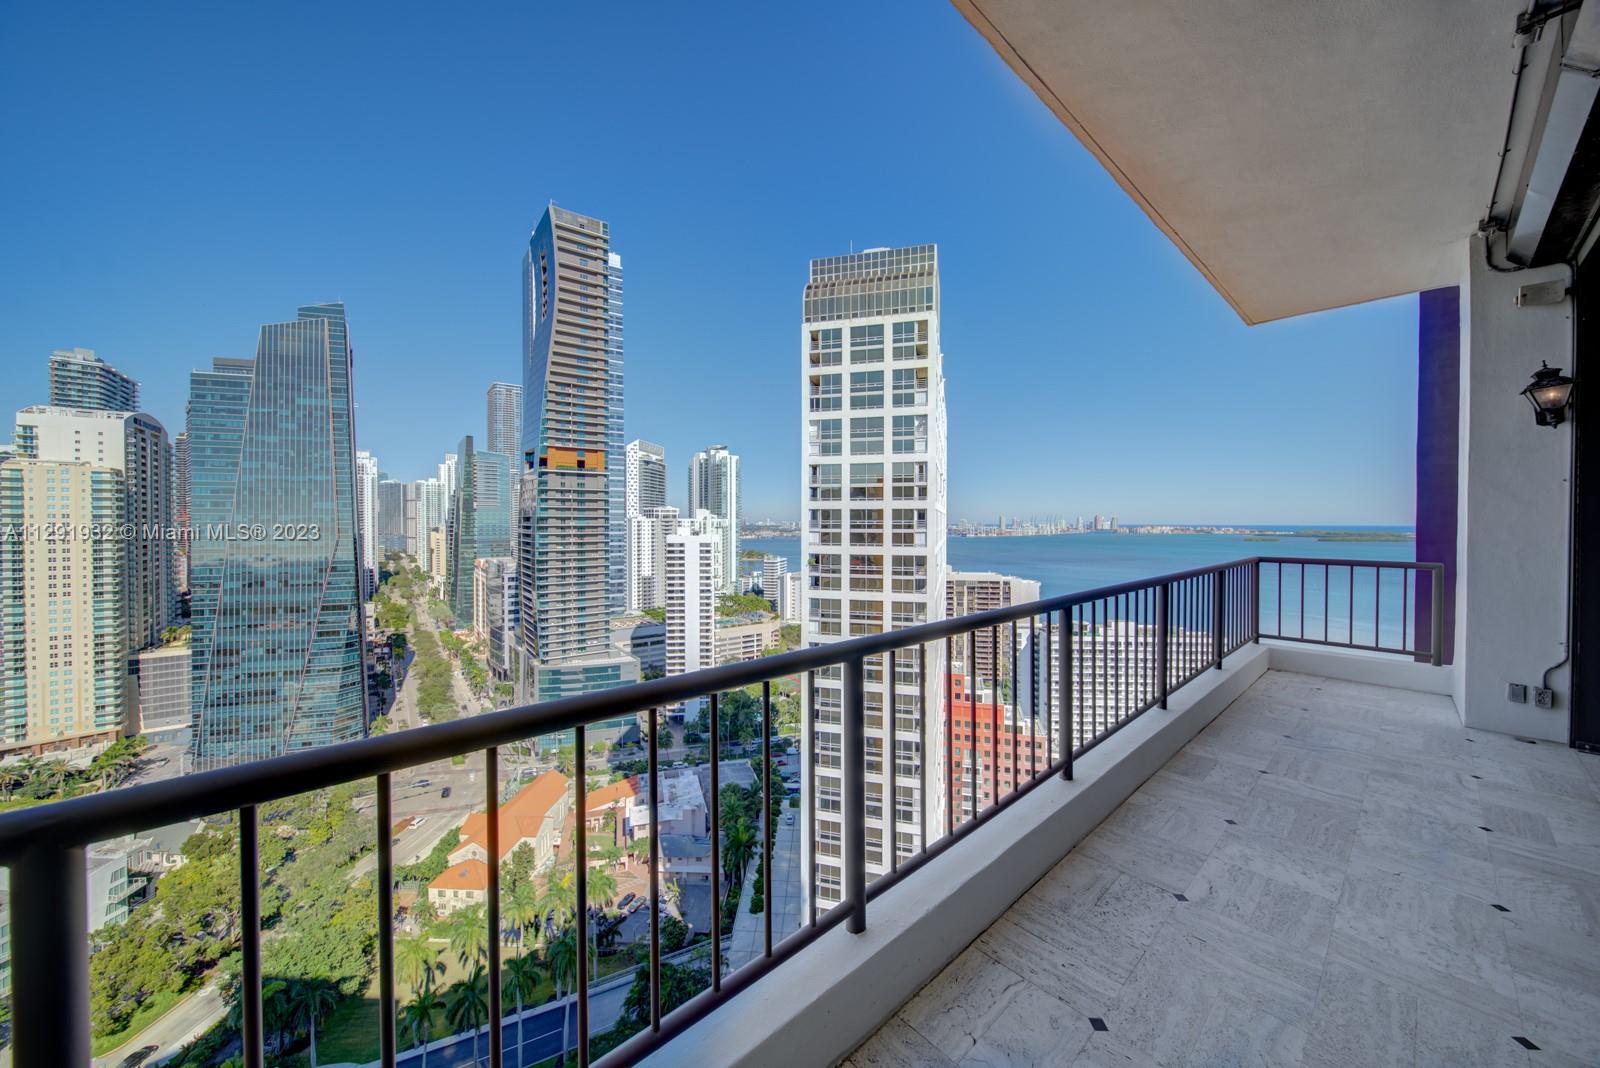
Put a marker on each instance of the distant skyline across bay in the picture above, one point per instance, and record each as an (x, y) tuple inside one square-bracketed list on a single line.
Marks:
[(399, 164)]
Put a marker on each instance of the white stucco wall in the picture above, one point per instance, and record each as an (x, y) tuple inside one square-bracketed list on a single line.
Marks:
[(1513, 507)]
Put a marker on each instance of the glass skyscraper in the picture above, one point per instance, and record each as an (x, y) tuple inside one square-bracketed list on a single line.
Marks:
[(570, 525), (277, 639)]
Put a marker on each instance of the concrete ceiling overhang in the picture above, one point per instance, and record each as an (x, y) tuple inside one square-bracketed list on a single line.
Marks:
[(1303, 154)]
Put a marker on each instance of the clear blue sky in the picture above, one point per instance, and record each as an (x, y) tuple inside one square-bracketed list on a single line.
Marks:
[(176, 177)]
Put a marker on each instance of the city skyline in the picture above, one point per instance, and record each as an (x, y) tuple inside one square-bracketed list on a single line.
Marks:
[(429, 282)]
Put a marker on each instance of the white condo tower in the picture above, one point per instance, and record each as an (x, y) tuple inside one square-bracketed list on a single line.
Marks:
[(873, 536)]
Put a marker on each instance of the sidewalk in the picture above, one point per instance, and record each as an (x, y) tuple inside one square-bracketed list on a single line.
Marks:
[(788, 901)]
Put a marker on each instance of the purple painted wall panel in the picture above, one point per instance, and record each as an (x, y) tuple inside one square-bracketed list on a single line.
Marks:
[(1438, 454)]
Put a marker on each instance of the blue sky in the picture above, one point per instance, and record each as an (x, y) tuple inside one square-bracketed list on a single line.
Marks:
[(178, 175)]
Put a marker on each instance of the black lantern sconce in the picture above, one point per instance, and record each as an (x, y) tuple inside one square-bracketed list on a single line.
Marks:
[(1550, 393)]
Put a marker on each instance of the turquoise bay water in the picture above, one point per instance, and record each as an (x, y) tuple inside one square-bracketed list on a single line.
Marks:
[(1338, 606)]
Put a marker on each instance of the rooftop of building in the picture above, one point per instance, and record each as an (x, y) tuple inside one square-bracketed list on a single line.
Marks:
[(521, 817)]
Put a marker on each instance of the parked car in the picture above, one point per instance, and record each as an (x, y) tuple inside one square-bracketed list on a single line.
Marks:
[(445, 792), (625, 899)]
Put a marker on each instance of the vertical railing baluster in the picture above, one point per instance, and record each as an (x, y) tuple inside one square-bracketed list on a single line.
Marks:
[(1377, 607), (1161, 640), (1436, 609), (653, 799), (1218, 607), (1350, 635), (811, 796), (972, 721), (1069, 737), (1049, 696), (855, 794), (1015, 718), (715, 801), (949, 737), (386, 1028), (892, 764), (580, 841), (1405, 604), (250, 938), (491, 797), (49, 887), (768, 827), (1034, 638), (994, 713), (923, 782)]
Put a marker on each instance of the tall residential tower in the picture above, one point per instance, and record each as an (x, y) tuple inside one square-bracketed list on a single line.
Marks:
[(714, 487), (80, 379), (873, 537), (644, 490), (570, 543)]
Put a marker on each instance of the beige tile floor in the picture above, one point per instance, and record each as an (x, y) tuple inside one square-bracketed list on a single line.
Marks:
[(1330, 875)]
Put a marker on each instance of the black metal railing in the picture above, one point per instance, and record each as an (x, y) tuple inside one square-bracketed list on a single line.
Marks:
[(1060, 675)]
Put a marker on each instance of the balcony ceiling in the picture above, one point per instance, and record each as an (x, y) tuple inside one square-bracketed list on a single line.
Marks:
[(1302, 155)]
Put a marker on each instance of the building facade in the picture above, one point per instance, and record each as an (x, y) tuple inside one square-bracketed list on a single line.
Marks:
[(135, 444), (691, 603), (80, 379), (570, 525), (277, 624), (366, 520), (773, 571), (165, 707), (714, 488), (63, 634), (967, 592), (873, 529), (644, 490), (503, 421)]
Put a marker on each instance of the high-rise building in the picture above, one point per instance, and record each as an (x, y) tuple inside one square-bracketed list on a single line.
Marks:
[(709, 523), (967, 592), (644, 490), (461, 536), (492, 496), (180, 511), (773, 569), (431, 510), (873, 536), (690, 603), (504, 423), (366, 520), (438, 560), (571, 556), (135, 444), (714, 487), (390, 534), (494, 613), (165, 709), (63, 637), (277, 643), (80, 379), (793, 597)]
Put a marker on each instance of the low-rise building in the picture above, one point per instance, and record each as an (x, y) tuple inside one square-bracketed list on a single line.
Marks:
[(164, 691), (686, 857), (746, 637), (642, 638), (533, 816), (680, 806)]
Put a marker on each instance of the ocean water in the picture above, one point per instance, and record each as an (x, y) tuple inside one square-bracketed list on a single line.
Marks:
[(1339, 605)]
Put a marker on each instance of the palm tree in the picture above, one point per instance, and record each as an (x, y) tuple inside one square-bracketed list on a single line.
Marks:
[(738, 846), (601, 889), (469, 937), (559, 904), (522, 979), (419, 1016), (309, 1001), (11, 777), (469, 1005), (521, 910), (416, 961), (561, 956)]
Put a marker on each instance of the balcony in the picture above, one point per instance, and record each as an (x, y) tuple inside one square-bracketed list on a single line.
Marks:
[(1330, 873), (1362, 757)]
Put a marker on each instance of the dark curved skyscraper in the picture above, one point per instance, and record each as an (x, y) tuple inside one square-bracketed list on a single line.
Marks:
[(274, 563), (571, 562)]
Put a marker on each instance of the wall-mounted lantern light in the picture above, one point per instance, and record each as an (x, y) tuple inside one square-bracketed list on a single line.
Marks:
[(1550, 393)]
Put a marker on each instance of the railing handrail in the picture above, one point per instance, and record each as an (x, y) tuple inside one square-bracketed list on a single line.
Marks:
[(81, 821)]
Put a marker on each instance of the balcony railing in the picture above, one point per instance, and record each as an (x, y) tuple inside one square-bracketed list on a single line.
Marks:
[(1093, 662)]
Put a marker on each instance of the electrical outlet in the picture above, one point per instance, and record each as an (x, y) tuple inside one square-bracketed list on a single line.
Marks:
[(1516, 693), (1544, 698)]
